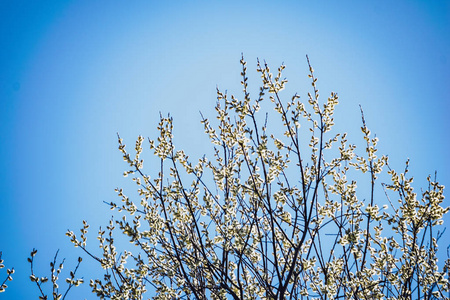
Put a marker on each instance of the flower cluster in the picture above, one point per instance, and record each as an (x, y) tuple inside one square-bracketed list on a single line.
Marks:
[(9, 272), (55, 270)]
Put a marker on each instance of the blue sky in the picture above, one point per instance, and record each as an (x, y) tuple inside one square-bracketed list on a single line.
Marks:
[(74, 73)]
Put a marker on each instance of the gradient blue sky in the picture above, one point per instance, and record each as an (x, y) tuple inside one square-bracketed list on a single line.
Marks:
[(73, 73)]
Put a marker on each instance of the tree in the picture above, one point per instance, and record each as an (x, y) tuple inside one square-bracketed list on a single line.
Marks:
[(271, 216)]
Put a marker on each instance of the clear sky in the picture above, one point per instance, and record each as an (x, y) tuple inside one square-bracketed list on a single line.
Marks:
[(73, 73)]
